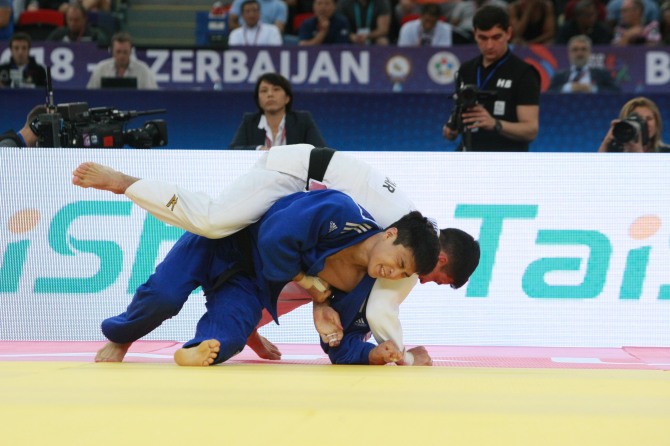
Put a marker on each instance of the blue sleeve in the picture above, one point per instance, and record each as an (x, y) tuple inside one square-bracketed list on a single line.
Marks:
[(352, 350), (299, 227), (306, 30)]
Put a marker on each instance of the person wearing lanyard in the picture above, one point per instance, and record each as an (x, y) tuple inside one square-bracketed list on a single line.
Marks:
[(253, 32), (275, 123), (369, 20), (506, 119)]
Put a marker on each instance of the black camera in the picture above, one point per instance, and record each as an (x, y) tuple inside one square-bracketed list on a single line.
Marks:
[(627, 130), (77, 125), (466, 97)]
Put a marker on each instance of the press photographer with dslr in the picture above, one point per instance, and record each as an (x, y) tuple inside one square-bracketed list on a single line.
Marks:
[(638, 129), (505, 117)]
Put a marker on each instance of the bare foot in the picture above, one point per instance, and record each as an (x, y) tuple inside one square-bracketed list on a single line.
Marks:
[(112, 352), (202, 355), (384, 353), (101, 177), (263, 348)]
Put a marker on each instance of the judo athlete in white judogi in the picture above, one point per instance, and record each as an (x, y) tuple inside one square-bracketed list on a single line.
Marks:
[(302, 235), (281, 171)]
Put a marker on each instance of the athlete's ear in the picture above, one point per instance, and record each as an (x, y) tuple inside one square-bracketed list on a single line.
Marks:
[(391, 232)]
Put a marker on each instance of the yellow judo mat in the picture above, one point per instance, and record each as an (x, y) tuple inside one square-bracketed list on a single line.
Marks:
[(84, 403)]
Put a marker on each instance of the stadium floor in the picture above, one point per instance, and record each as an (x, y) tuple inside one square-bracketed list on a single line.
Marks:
[(53, 393)]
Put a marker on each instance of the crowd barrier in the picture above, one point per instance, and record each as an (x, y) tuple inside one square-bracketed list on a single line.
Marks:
[(348, 121), (575, 247)]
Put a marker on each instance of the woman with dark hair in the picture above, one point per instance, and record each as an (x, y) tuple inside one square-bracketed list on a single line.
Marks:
[(275, 123)]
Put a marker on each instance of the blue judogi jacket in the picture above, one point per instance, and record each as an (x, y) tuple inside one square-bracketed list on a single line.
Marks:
[(299, 232)]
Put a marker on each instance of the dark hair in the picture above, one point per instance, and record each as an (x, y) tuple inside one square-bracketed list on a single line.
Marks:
[(71, 6), (488, 16), (248, 2), (431, 9), (20, 36), (277, 80), (417, 233), (34, 113), (122, 37), (463, 253)]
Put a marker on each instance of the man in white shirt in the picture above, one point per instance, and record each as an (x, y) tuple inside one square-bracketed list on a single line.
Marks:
[(253, 32), (427, 30), (122, 65)]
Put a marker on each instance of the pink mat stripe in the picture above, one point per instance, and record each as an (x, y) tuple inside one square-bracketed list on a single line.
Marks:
[(643, 358)]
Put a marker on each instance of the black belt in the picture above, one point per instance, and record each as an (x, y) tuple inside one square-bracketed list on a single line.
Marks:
[(319, 158)]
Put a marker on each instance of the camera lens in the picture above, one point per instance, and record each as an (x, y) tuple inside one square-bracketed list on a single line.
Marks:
[(624, 131)]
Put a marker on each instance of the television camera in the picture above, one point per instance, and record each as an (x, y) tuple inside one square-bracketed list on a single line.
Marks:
[(465, 97), (77, 125)]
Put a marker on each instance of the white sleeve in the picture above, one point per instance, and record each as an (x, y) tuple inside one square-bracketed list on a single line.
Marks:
[(275, 37), (383, 309), (242, 203), (405, 38), (235, 37)]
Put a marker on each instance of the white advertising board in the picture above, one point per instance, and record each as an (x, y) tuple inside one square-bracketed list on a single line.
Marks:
[(575, 247)]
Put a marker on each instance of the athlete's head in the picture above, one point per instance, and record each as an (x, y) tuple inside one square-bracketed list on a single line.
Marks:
[(408, 246), (457, 260)]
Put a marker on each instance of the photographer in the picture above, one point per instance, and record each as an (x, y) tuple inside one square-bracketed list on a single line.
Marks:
[(25, 137), (641, 117), (510, 121)]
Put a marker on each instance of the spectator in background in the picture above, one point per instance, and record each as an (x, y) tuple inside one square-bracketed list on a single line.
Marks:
[(56, 5), (6, 20), (510, 121), (427, 30), (580, 78), (121, 64), (665, 23), (585, 22), (253, 32), (533, 21), (649, 112), (651, 11), (369, 20), (326, 27), (273, 12), (569, 10), (77, 28), (631, 29), (22, 70), (275, 123), (461, 17)]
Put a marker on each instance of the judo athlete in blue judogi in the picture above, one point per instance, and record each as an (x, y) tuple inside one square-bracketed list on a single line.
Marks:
[(310, 237)]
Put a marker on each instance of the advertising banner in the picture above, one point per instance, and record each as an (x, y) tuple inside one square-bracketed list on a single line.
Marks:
[(575, 247), (343, 68)]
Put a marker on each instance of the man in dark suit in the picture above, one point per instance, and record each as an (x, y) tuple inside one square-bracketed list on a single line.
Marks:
[(580, 78), (275, 124)]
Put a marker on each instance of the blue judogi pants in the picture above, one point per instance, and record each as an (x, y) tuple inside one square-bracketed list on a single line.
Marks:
[(233, 310)]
